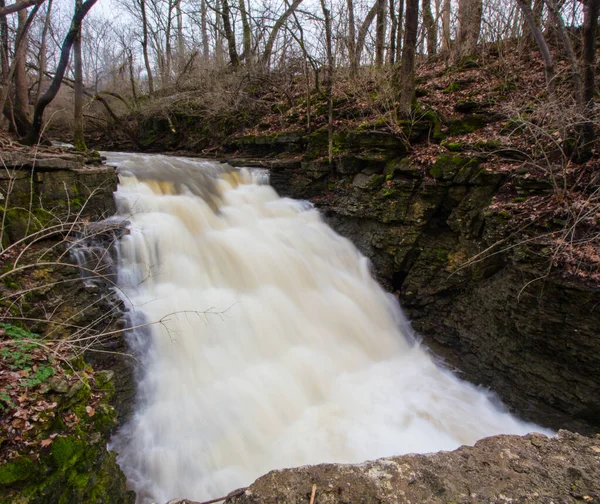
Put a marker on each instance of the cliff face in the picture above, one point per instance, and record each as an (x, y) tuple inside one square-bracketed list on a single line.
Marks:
[(480, 293), (532, 469), (57, 413)]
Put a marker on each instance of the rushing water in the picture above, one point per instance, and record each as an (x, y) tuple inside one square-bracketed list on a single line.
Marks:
[(274, 346)]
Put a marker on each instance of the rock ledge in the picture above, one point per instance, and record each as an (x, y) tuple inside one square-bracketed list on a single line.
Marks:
[(499, 469)]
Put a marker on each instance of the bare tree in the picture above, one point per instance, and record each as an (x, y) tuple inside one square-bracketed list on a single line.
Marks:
[(406, 77), (50, 94)]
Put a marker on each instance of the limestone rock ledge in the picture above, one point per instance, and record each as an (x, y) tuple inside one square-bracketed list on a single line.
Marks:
[(499, 469)]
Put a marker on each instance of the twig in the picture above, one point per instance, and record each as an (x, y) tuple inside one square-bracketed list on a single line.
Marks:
[(312, 495), (235, 493)]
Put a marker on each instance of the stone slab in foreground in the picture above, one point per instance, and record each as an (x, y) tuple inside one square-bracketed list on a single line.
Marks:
[(500, 469)]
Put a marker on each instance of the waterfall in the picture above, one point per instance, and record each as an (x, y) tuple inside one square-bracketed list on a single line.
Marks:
[(268, 344)]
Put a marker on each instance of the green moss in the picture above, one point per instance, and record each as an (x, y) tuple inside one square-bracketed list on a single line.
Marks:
[(66, 450), (452, 88), (466, 125), (447, 166), (18, 470), (388, 192), (453, 146), (488, 146), (318, 143)]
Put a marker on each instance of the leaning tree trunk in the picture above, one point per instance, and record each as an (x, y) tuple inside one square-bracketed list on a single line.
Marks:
[(234, 59), (363, 31), (266, 57), (36, 127), (406, 77), (539, 38)]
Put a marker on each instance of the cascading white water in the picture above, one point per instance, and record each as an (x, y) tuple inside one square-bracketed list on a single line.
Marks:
[(276, 346)]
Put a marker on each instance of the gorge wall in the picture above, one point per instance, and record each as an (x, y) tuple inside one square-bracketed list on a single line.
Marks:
[(65, 377), (479, 292)]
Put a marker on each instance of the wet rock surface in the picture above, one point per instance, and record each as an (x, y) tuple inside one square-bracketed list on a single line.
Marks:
[(500, 469)]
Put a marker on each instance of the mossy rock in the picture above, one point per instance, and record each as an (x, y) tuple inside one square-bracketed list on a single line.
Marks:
[(447, 166), (18, 470), (318, 143), (466, 125), (453, 146)]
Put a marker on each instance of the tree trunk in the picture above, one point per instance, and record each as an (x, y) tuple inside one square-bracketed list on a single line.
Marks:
[(4, 61), (278, 25), (36, 127), (446, 13), (557, 19), (400, 34), (329, 84), (234, 59), (167, 68), (590, 27), (180, 38), (363, 31), (393, 32), (539, 38), (430, 28), (78, 136), (43, 57), (134, 93), (406, 77), (469, 28), (16, 73), (247, 33), (20, 109), (18, 6), (142, 4), (380, 33), (204, 28), (351, 40)]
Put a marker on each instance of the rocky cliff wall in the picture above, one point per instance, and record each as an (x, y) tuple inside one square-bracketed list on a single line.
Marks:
[(481, 294), (57, 412)]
